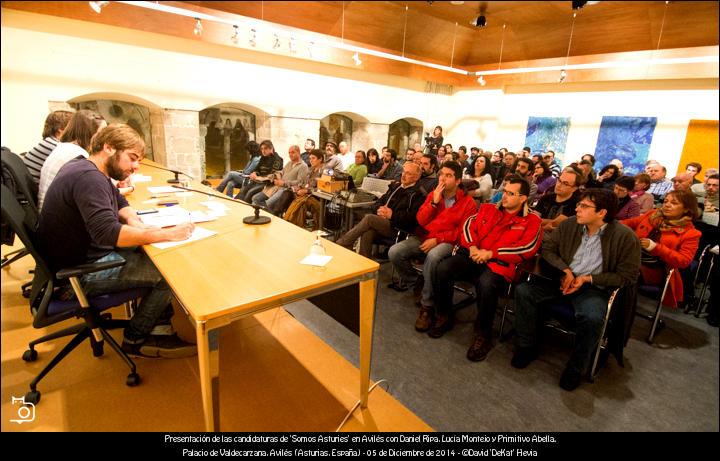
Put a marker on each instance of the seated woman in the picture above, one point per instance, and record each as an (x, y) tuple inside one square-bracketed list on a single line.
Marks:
[(543, 179), (238, 178), (358, 170), (627, 207), (640, 193), (373, 161), (304, 201), (668, 240), (607, 176), (483, 178)]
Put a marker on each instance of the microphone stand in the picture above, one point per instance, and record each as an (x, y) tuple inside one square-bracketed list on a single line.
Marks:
[(175, 180), (253, 220)]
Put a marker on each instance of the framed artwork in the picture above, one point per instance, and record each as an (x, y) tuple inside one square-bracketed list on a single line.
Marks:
[(547, 133), (627, 139)]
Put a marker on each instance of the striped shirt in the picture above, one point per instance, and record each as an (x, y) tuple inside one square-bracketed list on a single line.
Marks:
[(63, 153), (36, 157)]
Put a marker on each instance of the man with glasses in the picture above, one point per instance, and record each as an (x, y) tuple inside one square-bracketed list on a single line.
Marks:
[(592, 254), (492, 243), (557, 206)]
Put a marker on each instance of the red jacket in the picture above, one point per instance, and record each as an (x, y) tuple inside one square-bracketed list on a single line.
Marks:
[(512, 238), (444, 223), (675, 247)]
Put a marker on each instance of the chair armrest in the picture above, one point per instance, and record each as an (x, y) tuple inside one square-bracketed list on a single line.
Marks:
[(83, 269)]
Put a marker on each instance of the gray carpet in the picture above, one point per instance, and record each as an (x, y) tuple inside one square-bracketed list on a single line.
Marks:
[(671, 385)]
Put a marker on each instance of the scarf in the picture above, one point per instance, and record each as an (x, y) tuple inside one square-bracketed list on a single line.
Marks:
[(661, 223)]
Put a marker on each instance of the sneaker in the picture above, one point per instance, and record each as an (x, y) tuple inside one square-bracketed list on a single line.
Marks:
[(425, 319), (165, 346), (479, 349), (523, 357), (443, 324), (570, 379)]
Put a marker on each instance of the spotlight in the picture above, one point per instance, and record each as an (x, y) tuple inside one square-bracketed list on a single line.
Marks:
[(481, 81), (311, 48), (356, 58), (480, 21), (98, 6), (576, 5), (198, 30), (292, 45), (235, 36), (253, 38), (563, 74), (276, 44)]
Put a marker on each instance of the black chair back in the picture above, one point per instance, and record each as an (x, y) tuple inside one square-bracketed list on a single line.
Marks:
[(25, 188)]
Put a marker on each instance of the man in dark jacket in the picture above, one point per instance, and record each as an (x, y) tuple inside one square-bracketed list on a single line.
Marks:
[(595, 254), (394, 210), (270, 162)]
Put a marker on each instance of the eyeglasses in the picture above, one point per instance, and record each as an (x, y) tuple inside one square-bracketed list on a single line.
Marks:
[(584, 206), (512, 194), (566, 184)]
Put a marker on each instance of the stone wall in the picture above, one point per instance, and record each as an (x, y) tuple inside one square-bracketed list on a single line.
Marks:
[(182, 142)]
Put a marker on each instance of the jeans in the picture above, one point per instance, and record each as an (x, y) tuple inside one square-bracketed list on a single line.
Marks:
[(230, 181), (138, 271), (249, 190), (279, 201), (488, 287), (403, 252), (590, 304), (260, 199), (366, 229)]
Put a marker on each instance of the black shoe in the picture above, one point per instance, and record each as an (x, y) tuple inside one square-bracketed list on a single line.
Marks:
[(712, 320), (443, 324), (480, 348), (523, 357), (165, 346), (401, 287), (570, 379)]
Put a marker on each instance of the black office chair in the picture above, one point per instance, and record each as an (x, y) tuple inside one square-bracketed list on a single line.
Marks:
[(47, 309), (25, 189)]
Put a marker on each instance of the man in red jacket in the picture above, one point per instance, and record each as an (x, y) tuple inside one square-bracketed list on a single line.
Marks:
[(492, 243), (439, 220)]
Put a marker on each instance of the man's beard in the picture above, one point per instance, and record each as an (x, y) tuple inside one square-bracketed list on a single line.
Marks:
[(114, 171)]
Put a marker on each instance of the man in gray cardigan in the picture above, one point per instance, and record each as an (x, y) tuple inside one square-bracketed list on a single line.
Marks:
[(596, 254)]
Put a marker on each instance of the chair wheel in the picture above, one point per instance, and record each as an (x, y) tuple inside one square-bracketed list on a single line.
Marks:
[(26, 293), (98, 349), (133, 379), (30, 355), (32, 397)]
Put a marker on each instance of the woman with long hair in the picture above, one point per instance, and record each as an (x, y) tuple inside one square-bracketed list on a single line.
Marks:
[(668, 240), (640, 193), (543, 179), (608, 175), (374, 164), (433, 143), (481, 175)]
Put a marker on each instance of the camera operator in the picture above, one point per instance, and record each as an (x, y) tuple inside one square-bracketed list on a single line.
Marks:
[(433, 142)]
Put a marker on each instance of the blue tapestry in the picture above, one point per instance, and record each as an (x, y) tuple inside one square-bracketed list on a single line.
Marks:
[(547, 133), (627, 139)]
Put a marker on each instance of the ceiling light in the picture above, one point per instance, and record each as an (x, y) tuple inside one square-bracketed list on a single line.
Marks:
[(457, 3), (356, 58), (576, 5), (98, 6), (235, 36), (292, 45), (276, 43), (253, 38), (480, 21), (198, 30), (481, 81), (563, 74)]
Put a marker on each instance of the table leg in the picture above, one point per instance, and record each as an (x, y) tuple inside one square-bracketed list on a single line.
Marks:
[(368, 295), (208, 344)]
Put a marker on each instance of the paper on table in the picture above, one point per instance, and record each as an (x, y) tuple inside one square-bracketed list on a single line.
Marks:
[(172, 216), (198, 234), (137, 177), (316, 260), (164, 190)]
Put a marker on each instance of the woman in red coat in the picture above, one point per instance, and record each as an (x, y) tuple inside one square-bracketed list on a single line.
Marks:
[(669, 240)]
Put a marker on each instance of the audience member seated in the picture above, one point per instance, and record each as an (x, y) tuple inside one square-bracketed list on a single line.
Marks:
[(682, 181), (55, 124), (555, 207), (585, 167), (374, 162), (94, 222), (627, 207), (694, 169), (358, 170), (270, 163), (429, 177), (524, 169), (492, 243), (292, 174), (332, 160), (669, 241), (607, 177), (301, 195), (74, 142), (240, 178), (543, 179), (309, 147), (395, 210), (481, 175), (391, 168), (644, 199), (619, 164), (439, 220), (707, 192), (553, 165), (591, 159), (595, 255), (346, 157), (659, 184)]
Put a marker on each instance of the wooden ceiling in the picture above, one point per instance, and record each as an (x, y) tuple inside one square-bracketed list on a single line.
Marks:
[(533, 30)]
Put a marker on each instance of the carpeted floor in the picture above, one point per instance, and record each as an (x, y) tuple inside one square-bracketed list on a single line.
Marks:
[(671, 385)]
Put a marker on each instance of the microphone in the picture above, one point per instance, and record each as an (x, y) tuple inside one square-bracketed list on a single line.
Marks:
[(253, 220), (175, 180)]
